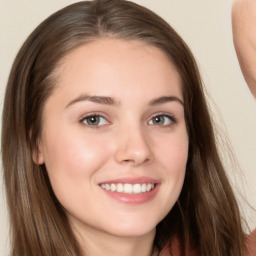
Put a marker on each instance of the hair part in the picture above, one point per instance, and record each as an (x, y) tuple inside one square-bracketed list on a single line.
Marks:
[(206, 215)]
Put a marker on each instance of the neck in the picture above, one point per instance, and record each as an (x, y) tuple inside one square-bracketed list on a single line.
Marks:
[(100, 243)]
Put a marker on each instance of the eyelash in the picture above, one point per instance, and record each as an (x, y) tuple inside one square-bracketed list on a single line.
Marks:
[(171, 118), (93, 116)]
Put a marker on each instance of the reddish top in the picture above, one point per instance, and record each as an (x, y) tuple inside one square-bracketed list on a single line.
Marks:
[(176, 250), (251, 244)]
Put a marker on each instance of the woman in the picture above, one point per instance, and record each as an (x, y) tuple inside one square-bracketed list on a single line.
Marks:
[(108, 146)]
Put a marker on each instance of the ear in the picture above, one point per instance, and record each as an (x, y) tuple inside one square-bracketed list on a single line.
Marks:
[(37, 154)]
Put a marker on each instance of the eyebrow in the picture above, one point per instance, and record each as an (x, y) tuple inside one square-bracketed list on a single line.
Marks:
[(165, 99), (111, 101), (96, 99)]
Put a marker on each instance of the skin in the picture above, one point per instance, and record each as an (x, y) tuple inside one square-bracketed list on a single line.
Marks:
[(126, 143), (244, 35)]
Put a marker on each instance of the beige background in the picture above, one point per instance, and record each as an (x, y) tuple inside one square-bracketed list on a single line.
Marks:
[(206, 27)]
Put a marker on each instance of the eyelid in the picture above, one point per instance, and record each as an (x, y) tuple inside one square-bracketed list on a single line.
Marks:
[(86, 116), (172, 118)]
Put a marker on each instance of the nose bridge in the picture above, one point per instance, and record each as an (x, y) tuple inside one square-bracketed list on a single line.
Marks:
[(133, 145)]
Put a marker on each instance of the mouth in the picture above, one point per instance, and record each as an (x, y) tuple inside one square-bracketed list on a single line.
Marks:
[(128, 188), (131, 190)]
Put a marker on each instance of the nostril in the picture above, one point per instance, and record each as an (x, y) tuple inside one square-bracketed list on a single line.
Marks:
[(134, 151), (136, 161)]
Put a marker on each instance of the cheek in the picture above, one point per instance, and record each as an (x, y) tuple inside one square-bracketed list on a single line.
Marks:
[(72, 164), (173, 158), (174, 153), (73, 158)]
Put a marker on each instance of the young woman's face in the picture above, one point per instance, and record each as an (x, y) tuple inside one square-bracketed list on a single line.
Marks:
[(114, 138)]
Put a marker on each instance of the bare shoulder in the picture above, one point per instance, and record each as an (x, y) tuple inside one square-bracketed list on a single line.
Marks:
[(251, 243)]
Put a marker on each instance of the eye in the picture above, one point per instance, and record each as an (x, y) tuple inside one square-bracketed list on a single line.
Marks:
[(162, 120), (94, 120)]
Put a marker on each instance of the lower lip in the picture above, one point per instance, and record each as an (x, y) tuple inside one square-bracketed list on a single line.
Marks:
[(133, 198)]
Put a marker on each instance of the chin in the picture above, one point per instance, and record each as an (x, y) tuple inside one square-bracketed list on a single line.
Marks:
[(129, 229)]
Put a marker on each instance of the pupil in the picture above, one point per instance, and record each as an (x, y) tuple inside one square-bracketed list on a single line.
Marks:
[(158, 120), (93, 120)]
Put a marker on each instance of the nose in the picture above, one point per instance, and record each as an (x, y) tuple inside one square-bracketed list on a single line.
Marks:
[(133, 147)]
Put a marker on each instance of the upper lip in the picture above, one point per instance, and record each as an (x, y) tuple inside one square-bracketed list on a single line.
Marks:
[(131, 180)]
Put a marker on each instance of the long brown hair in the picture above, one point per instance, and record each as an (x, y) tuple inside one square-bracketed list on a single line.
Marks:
[(206, 215)]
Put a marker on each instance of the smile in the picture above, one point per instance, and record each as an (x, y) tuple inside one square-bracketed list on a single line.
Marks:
[(128, 188)]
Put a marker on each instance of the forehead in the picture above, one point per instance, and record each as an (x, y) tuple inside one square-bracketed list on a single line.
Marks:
[(104, 64)]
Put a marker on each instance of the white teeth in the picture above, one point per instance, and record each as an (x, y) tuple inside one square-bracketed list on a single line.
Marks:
[(128, 188), (119, 187), (136, 189), (149, 187), (143, 188), (113, 187)]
